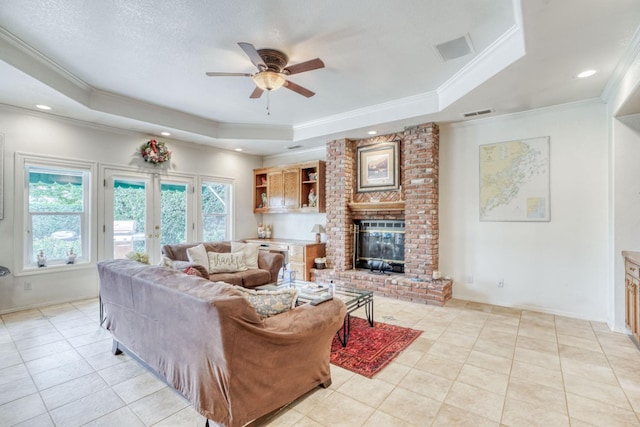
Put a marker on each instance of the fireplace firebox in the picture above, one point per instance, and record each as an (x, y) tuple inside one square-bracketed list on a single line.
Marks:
[(379, 240)]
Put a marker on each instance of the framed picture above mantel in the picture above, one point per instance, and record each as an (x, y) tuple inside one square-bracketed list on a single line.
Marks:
[(378, 167)]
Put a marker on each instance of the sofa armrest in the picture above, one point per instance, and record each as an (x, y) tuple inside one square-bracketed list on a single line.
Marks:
[(272, 262), (287, 356)]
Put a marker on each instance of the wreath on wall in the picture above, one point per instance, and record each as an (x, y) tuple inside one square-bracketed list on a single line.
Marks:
[(155, 152)]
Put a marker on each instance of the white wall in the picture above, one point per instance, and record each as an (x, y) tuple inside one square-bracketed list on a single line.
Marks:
[(33, 132), (558, 266), (295, 225), (626, 203)]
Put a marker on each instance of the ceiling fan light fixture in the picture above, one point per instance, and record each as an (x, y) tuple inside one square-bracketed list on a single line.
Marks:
[(269, 80)]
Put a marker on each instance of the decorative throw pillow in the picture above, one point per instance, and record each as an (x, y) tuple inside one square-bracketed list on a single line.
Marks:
[(167, 262), (198, 255), (268, 303), (202, 271), (226, 262), (192, 271), (250, 251)]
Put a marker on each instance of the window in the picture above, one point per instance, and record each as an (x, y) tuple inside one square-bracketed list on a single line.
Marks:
[(216, 210), (56, 212)]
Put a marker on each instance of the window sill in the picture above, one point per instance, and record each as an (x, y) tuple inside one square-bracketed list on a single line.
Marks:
[(55, 268)]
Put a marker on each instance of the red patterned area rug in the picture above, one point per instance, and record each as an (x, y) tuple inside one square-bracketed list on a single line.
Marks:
[(371, 349)]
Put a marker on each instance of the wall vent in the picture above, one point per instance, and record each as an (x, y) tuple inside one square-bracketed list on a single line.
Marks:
[(455, 48), (478, 113)]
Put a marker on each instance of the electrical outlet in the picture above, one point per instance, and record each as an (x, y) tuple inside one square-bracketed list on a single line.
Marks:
[(27, 286), (470, 279), (501, 283)]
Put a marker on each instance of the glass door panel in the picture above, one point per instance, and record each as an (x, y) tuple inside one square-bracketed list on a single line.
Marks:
[(173, 212), (130, 216), (144, 212)]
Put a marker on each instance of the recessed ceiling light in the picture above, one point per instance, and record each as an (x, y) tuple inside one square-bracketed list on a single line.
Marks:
[(43, 107), (165, 134), (586, 73), (238, 149), (373, 132)]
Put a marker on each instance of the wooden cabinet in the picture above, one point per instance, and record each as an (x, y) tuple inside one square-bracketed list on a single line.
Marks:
[(300, 254), (302, 258), (291, 188), (283, 189), (632, 293), (260, 196)]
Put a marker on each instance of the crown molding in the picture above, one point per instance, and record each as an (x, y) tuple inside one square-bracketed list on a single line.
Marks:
[(36, 55), (312, 152), (625, 80), (504, 51), (25, 58), (517, 115), (630, 55), (398, 109)]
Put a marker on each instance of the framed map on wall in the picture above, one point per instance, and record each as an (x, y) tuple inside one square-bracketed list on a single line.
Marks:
[(514, 180)]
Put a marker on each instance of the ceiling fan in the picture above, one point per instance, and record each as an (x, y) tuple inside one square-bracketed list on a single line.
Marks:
[(273, 70)]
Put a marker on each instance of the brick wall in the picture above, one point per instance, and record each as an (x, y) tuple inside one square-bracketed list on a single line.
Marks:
[(419, 147), (340, 183)]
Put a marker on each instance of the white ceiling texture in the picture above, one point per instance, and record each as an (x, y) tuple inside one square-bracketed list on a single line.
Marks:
[(141, 65)]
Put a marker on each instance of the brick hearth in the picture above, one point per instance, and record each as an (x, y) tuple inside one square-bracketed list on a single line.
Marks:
[(419, 147)]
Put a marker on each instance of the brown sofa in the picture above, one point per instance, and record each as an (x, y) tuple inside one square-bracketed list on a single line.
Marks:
[(210, 344), (269, 264)]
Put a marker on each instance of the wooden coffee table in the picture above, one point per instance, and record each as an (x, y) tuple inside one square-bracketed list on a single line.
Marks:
[(353, 298)]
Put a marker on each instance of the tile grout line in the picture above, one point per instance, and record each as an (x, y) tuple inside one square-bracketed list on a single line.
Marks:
[(615, 374)]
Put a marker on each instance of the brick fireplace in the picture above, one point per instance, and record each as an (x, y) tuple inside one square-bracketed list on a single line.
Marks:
[(415, 203)]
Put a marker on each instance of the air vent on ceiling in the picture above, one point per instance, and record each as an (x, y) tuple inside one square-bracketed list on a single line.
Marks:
[(455, 48), (478, 113), (293, 147)]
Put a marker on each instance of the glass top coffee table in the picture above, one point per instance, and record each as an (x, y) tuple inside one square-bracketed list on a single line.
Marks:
[(312, 293)]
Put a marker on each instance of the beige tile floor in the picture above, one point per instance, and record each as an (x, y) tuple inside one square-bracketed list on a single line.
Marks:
[(474, 365)]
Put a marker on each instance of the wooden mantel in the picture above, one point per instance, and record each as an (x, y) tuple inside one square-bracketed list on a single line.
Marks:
[(377, 206)]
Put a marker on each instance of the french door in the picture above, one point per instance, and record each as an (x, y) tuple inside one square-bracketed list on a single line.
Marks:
[(145, 211)]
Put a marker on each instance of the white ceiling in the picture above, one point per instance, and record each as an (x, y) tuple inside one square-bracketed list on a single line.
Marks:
[(141, 65)]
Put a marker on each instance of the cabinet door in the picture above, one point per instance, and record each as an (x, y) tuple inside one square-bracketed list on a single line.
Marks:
[(275, 190), (630, 304), (635, 312), (291, 188)]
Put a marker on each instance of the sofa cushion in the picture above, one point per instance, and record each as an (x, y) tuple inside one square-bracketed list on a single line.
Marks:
[(269, 303), (226, 262), (253, 278), (250, 251), (198, 255), (246, 279)]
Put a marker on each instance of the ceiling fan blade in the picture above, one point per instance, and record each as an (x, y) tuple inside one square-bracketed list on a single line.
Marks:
[(312, 64), (257, 93), (214, 74), (299, 89), (253, 55)]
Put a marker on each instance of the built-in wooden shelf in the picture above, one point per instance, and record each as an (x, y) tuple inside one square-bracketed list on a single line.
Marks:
[(377, 206)]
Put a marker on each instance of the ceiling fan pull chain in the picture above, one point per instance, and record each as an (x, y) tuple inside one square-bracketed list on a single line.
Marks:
[(268, 104)]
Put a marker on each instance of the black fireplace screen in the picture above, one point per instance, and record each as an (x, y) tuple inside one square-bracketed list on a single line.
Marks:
[(379, 240)]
